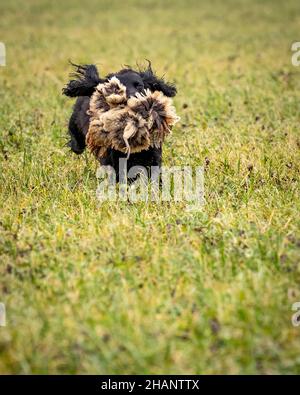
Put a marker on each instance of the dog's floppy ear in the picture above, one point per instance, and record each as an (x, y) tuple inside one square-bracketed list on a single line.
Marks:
[(152, 82), (85, 79)]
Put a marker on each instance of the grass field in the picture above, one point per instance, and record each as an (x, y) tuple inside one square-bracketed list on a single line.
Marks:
[(149, 288)]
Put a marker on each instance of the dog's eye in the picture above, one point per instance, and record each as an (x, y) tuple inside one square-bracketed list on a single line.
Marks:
[(137, 85)]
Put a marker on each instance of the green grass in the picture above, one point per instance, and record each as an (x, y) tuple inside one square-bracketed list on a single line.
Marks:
[(145, 288)]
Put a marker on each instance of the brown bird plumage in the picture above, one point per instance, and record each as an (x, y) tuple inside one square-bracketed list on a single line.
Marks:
[(127, 125)]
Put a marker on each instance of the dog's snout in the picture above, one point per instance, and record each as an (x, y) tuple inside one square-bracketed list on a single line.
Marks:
[(131, 91)]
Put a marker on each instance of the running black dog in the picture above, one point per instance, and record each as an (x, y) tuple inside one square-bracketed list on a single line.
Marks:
[(83, 84)]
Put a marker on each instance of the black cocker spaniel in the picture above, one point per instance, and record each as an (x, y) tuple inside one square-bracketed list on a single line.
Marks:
[(83, 84)]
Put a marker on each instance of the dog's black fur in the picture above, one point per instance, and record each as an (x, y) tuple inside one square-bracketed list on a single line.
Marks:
[(82, 86)]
